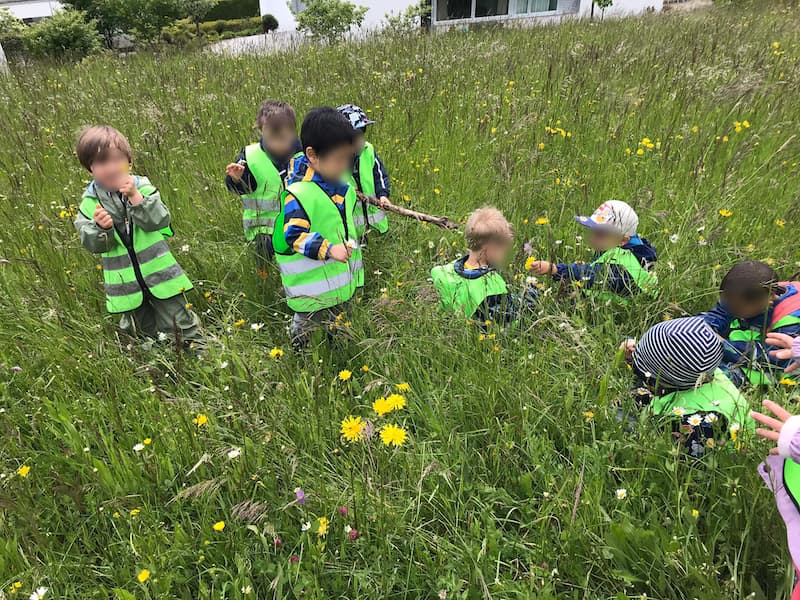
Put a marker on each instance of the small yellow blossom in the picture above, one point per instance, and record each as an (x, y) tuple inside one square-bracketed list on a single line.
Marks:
[(695, 129), (437, 191), (135, 511), (396, 401), (588, 415), (695, 513), (143, 576), (23, 471), (529, 263), (403, 387), (188, 306), (345, 375), (322, 526), (239, 323), (381, 406), (724, 212), (788, 382), (542, 221), (147, 441), (200, 420), (392, 435), (351, 428), (276, 353), (218, 526), (365, 369), (541, 145), (780, 222), (639, 151)]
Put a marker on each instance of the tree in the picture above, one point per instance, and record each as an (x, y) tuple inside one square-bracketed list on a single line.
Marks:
[(413, 19), (268, 23), (141, 18), (329, 19), (601, 4), (67, 34), (197, 11)]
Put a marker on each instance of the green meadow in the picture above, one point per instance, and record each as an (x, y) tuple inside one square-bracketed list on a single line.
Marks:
[(134, 471)]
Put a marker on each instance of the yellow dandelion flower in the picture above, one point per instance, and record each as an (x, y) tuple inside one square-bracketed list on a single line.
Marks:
[(188, 306), (776, 45), (322, 526), (143, 576), (542, 220), (788, 382), (628, 151), (392, 435), (396, 401), (780, 222), (351, 428), (588, 415), (695, 129), (147, 441), (218, 526), (381, 406), (23, 471), (200, 420), (345, 375), (725, 138), (746, 124), (695, 513), (639, 151), (239, 323), (403, 387), (529, 263), (135, 511), (365, 369), (724, 212), (437, 191), (541, 145), (276, 353)]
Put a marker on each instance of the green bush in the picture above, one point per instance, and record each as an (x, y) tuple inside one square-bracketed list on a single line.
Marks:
[(183, 31), (67, 34), (268, 23), (12, 32), (329, 20), (233, 9)]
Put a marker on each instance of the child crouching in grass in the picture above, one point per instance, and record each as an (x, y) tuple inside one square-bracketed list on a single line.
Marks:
[(678, 362), (123, 219), (472, 286), (623, 262)]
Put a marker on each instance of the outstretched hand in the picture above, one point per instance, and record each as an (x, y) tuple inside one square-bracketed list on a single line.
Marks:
[(542, 267), (235, 171), (781, 340), (773, 424)]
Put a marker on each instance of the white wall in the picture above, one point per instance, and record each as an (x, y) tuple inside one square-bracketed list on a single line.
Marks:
[(376, 13), (31, 9), (621, 8)]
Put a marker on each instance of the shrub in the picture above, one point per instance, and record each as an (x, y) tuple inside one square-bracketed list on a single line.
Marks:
[(67, 34), (184, 31), (329, 19), (268, 23), (12, 32), (225, 10)]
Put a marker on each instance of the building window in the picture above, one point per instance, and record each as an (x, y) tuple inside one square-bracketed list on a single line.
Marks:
[(491, 8), (526, 7), (447, 10)]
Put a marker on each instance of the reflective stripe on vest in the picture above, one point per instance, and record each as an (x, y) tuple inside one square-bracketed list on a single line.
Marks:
[(719, 395), (459, 294), (375, 217), (311, 285), (160, 273), (261, 206), (646, 281), (791, 480)]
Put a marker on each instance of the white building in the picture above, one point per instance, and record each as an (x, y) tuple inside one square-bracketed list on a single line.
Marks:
[(376, 10), (450, 13), (30, 10)]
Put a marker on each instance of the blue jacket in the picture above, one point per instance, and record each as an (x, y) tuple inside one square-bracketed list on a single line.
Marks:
[(615, 278), (720, 319)]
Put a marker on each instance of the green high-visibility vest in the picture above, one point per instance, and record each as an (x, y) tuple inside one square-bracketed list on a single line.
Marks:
[(784, 314), (147, 264), (719, 395), (312, 284), (791, 480), (646, 281), (261, 205), (462, 295), (367, 215)]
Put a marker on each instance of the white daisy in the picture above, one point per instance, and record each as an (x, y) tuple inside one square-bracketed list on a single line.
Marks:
[(223, 364), (138, 447), (305, 526), (621, 494), (694, 420), (678, 411), (711, 418), (256, 326), (234, 453), (38, 594)]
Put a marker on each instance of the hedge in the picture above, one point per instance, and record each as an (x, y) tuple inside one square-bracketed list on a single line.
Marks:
[(234, 9)]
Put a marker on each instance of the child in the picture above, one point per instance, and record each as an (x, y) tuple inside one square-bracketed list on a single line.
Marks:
[(752, 305), (781, 473), (258, 175), (678, 362), (123, 219), (319, 260), (472, 286), (368, 174), (623, 262)]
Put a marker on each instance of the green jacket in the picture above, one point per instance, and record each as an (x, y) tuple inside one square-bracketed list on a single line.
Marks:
[(646, 281), (462, 295)]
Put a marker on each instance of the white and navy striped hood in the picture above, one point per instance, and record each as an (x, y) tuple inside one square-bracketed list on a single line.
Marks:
[(679, 354)]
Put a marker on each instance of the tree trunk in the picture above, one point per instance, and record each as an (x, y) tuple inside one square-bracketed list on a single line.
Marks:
[(3, 62)]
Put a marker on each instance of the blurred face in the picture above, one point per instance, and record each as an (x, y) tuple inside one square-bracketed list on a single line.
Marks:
[(603, 240), (278, 141), (358, 143), (110, 171), (334, 164), (743, 307), (497, 252)]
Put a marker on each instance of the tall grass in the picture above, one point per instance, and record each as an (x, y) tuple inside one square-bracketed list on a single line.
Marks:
[(506, 486)]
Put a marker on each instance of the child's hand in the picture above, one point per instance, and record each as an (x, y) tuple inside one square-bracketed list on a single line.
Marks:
[(781, 340), (775, 425), (383, 202), (129, 190), (542, 267), (102, 218), (340, 252), (235, 171), (628, 345)]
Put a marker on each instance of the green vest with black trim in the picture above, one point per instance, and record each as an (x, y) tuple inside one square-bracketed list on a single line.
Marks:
[(791, 480), (367, 215), (312, 284), (718, 395), (463, 295), (784, 313), (646, 281), (147, 264), (261, 205)]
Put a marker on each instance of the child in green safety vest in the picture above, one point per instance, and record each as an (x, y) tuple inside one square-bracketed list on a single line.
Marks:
[(315, 241), (781, 470), (471, 286), (123, 219), (258, 176), (752, 305), (678, 363), (623, 261), (368, 175)]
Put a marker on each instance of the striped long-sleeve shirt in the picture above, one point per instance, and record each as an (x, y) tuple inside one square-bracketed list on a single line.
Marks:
[(298, 230)]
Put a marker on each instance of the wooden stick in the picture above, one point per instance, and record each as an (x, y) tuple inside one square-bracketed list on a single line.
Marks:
[(442, 222)]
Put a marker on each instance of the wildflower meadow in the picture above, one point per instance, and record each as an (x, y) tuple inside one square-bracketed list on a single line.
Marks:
[(415, 456)]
